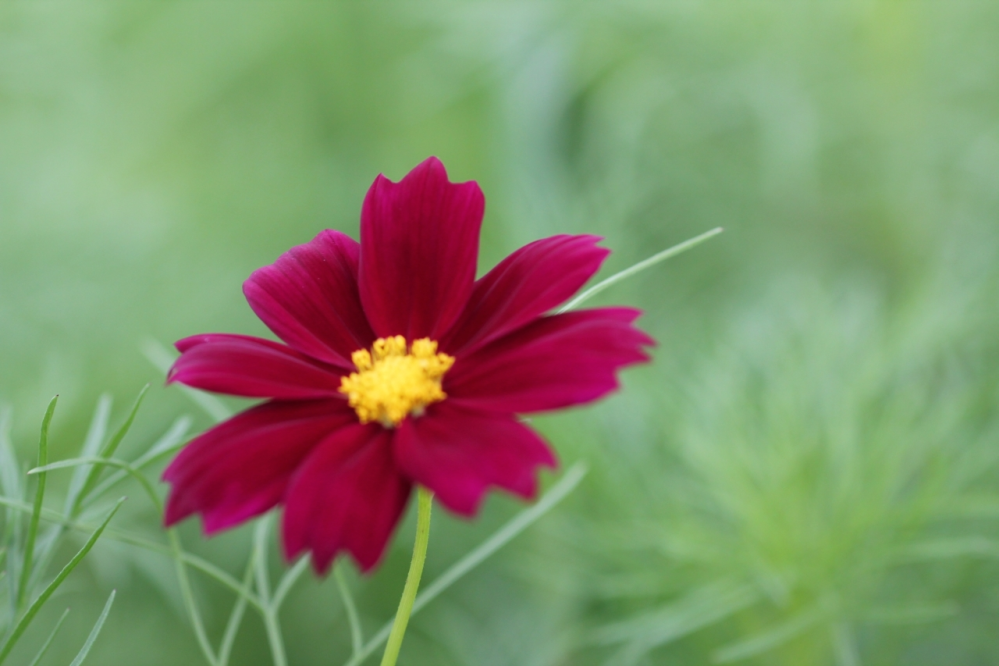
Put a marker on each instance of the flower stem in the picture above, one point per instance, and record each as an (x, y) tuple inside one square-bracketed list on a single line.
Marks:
[(425, 500)]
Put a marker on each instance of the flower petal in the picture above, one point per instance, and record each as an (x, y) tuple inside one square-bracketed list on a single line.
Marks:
[(554, 362), (528, 283), (241, 467), (419, 245), (251, 367), (459, 453), (348, 495), (309, 298)]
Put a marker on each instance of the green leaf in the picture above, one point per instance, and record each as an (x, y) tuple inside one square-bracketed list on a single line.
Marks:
[(172, 440), (188, 596), (238, 610), (772, 638), (48, 641), (950, 548), (29, 544), (697, 610), (269, 616), (106, 452), (202, 565), (639, 267), (356, 634), (98, 463), (91, 445), (82, 654), (911, 613), (33, 609), (288, 581)]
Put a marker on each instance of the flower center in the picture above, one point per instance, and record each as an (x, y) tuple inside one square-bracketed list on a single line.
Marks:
[(392, 382)]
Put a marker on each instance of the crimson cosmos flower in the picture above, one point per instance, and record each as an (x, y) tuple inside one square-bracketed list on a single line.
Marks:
[(398, 368)]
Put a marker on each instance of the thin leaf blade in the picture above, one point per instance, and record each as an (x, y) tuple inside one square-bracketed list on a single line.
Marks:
[(33, 609), (29, 543), (48, 641), (89, 643)]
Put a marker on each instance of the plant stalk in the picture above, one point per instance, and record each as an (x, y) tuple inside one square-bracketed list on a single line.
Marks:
[(425, 500)]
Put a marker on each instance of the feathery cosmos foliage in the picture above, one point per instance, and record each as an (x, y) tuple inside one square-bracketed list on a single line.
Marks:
[(399, 368)]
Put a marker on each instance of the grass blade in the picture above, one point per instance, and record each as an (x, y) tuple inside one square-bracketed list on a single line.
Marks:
[(473, 559), (522, 521), (33, 609), (106, 452), (82, 654), (668, 253), (29, 543), (124, 467), (680, 617), (288, 581), (172, 440), (238, 610), (48, 641), (771, 638), (270, 618), (91, 445), (356, 634), (698, 610), (202, 565), (188, 596)]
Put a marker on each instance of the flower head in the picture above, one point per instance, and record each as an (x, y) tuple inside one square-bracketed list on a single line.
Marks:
[(397, 368)]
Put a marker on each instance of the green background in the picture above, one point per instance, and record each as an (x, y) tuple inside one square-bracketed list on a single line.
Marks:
[(806, 472)]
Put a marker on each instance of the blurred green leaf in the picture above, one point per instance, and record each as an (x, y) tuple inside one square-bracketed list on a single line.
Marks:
[(91, 446), (48, 641), (89, 643), (106, 452), (29, 541), (36, 605)]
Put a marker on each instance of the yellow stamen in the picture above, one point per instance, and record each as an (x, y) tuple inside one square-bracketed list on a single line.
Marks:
[(392, 382)]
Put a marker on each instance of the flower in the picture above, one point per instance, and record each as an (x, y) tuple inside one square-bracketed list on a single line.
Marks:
[(398, 368)]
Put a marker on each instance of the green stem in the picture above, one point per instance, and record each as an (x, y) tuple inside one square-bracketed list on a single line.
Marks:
[(269, 616), (425, 500), (356, 637), (188, 596)]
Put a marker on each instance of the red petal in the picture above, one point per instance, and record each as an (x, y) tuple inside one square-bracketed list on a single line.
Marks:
[(528, 283), (241, 468), (554, 362), (419, 245), (459, 453), (348, 495), (251, 367), (309, 298)]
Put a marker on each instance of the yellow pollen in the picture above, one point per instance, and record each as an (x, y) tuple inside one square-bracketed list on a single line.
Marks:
[(393, 382)]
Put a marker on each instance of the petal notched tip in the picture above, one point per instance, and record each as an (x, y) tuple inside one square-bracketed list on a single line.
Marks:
[(525, 285), (419, 246), (554, 362), (309, 298)]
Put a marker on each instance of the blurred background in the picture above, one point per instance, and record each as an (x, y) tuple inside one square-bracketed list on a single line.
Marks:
[(806, 473)]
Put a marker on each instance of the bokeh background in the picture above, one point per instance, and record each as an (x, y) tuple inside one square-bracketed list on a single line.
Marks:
[(806, 473)]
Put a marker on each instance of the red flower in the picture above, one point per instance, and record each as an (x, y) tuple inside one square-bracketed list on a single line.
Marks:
[(398, 367)]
